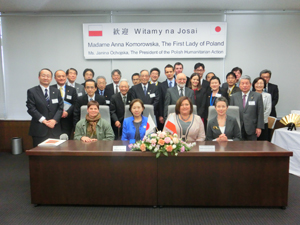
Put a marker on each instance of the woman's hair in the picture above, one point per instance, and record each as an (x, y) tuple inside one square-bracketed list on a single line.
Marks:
[(134, 101), (221, 99), (256, 80), (190, 81), (90, 103), (179, 102), (209, 73), (215, 78)]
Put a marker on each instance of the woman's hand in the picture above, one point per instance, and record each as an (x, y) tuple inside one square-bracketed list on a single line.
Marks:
[(87, 139), (222, 137)]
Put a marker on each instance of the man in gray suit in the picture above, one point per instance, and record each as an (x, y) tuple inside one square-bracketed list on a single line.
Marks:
[(251, 109), (174, 93), (72, 75)]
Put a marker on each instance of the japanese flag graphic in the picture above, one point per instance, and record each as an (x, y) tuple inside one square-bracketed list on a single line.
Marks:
[(217, 29), (95, 31)]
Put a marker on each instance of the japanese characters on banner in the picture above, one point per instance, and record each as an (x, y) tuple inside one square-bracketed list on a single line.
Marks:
[(154, 40)]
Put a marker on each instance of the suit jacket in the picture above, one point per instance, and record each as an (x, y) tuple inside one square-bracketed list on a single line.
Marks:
[(129, 130), (205, 84), (163, 90), (79, 89), (252, 116), (117, 108), (273, 90), (108, 93), (232, 129), (172, 96), (221, 91), (109, 89), (37, 108), (83, 100), (151, 97), (200, 101), (70, 97)]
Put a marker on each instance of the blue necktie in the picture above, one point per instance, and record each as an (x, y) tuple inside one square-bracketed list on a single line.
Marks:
[(145, 90), (101, 93), (47, 97), (170, 84)]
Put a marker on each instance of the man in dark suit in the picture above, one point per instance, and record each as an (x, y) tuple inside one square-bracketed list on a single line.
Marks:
[(178, 68), (113, 88), (154, 75), (251, 109), (117, 107), (90, 87), (69, 97), (45, 106), (231, 87), (102, 90), (174, 93), (72, 75), (145, 91), (168, 83), (200, 69), (238, 73), (135, 78), (272, 89), (88, 74)]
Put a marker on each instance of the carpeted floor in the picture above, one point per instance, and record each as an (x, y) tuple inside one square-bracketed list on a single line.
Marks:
[(15, 206)]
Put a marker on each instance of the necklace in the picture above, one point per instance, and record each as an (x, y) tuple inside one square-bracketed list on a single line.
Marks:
[(185, 119)]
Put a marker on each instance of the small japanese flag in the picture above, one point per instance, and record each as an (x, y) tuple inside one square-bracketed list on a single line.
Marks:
[(150, 125), (95, 31)]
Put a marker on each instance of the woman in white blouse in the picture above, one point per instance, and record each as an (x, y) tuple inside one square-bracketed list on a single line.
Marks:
[(259, 85)]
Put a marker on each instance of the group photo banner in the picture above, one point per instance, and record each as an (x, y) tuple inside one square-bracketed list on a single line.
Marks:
[(154, 40)]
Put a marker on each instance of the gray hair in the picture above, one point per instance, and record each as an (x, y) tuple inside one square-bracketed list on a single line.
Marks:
[(123, 80), (221, 99), (245, 77), (116, 71), (100, 77), (265, 71), (144, 70)]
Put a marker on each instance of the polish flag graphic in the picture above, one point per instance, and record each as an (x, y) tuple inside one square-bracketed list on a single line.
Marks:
[(95, 31)]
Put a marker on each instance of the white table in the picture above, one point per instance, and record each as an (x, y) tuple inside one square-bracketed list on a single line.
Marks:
[(289, 140)]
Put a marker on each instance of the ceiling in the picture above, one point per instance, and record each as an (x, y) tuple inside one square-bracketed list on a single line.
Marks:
[(40, 6)]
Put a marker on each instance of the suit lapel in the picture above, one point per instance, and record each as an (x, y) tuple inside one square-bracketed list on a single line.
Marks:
[(41, 95), (216, 127), (250, 98)]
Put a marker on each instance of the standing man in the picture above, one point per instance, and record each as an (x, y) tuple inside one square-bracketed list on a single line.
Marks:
[(145, 91), (154, 75), (168, 83), (174, 93), (178, 68), (238, 73), (101, 89), (251, 109), (135, 78), (69, 96), (114, 86), (231, 87), (88, 74), (117, 107), (90, 88), (45, 106), (272, 89), (200, 69), (72, 75)]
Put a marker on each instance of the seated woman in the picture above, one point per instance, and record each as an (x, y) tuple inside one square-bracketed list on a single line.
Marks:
[(222, 127), (134, 127), (93, 127), (189, 126), (259, 84)]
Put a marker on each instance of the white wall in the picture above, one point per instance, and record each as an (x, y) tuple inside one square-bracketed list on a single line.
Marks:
[(255, 42)]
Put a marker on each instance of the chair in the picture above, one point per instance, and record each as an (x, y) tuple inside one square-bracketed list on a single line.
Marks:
[(149, 109), (233, 111), (171, 109), (103, 110)]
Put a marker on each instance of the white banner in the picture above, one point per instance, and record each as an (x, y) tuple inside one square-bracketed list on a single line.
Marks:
[(154, 40)]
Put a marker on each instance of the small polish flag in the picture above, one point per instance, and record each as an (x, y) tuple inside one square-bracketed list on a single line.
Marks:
[(95, 31), (170, 125), (150, 125)]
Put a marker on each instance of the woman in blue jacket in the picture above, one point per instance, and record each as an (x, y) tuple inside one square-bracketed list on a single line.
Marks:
[(134, 127)]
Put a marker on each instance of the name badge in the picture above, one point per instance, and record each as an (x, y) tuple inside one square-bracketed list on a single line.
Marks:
[(107, 102), (69, 97), (121, 148), (218, 95), (54, 101), (152, 95), (79, 94), (207, 148), (251, 102)]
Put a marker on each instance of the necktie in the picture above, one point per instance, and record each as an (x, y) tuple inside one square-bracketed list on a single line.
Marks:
[(124, 100), (61, 92), (117, 89), (181, 92), (145, 90), (265, 89), (244, 101), (101, 93), (170, 84), (91, 99), (47, 97)]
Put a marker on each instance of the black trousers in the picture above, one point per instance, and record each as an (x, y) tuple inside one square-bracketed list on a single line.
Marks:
[(264, 134)]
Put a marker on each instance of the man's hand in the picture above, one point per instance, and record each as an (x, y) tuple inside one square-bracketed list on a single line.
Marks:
[(258, 132), (161, 119), (118, 124), (64, 115)]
